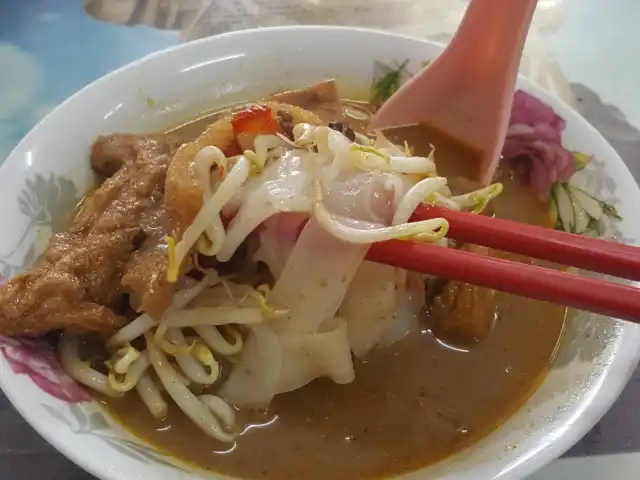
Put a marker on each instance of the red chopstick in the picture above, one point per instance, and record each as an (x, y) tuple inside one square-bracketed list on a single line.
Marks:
[(594, 295), (542, 243), (598, 296)]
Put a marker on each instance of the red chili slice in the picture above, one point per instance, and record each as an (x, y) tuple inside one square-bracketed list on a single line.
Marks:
[(256, 119)]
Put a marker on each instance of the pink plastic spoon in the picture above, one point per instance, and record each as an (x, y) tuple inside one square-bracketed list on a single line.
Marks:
[(466, 93)]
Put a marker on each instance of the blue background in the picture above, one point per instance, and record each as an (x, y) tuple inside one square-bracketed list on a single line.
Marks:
[(51, 48)]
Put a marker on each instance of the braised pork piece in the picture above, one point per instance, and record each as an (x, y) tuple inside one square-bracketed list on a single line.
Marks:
[(113, 252)]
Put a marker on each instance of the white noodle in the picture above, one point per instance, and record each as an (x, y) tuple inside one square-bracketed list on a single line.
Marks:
[(197, 411), (80, 370), (151, 396)]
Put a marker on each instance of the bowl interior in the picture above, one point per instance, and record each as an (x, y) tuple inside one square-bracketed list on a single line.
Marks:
[(48, 172)]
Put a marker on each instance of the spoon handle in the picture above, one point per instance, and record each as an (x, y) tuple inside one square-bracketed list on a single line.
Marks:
[(490, 38), (481, 67)]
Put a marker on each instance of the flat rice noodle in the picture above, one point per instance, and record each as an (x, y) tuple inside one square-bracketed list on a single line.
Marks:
[(183, 191), (272, 363), (285, 185), (407, 319), (367, 196), (254, 380), (312, 286), (369, 307), (277, 239), (306, 357)]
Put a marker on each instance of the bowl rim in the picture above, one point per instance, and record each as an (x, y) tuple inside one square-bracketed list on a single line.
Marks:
[(528, 464)]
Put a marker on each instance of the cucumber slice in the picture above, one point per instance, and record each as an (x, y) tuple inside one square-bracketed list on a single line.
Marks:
[(592, 206), (581, 216), (565, 207), (596, 228), (608, 209), (553, 209)]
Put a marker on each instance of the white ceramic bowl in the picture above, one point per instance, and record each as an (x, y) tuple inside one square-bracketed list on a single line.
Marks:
[(49, 170)]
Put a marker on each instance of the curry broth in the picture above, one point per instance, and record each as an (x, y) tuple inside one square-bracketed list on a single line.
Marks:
[(410, 405)]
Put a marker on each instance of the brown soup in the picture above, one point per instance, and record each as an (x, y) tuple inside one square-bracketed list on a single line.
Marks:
[(410, 405)]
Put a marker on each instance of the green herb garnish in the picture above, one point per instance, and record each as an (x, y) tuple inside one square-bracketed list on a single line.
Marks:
[(387, 84)]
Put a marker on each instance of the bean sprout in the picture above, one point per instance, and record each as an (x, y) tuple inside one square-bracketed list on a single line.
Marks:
[(477, 200), (131, 375), (124, 358), (415, 197), (214, 231), (151, 396), (198, 367), (214, 316), (430, 230), (131, 331), (226, 189), (80, 370), (220, 409), (144, 322), (216, 341), (192, 406)]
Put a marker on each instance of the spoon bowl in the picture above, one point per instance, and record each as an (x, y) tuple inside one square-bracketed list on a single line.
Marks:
[(466, 93)]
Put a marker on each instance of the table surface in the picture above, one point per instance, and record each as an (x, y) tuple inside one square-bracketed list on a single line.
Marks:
[(588, 53)]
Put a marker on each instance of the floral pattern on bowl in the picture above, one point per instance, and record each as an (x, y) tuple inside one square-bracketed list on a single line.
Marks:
[(37, 360), (533, 149), (44, 203), (533, 146)]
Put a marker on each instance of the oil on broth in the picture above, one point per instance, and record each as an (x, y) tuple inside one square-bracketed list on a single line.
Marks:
[(410, 405)]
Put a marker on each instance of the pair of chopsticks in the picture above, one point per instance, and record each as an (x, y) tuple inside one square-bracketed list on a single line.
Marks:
[(598, 296)]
